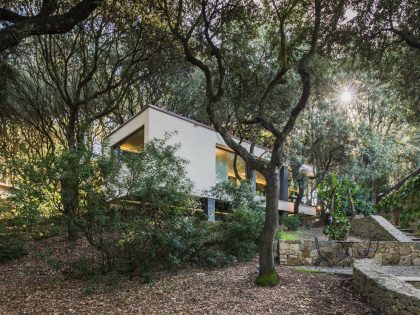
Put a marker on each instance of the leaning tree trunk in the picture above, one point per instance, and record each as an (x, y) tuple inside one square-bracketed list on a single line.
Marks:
[(267, 273)]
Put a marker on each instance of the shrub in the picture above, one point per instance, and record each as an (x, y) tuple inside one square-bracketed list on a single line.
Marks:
[(292, 222), (216, 257), (83, 268), (339, 227), (12, 246), (147, 223), (241, 232), (340, 195), (404, 203), (242, 226)]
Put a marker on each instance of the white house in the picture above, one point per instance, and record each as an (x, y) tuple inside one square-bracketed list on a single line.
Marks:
[(211, 161)]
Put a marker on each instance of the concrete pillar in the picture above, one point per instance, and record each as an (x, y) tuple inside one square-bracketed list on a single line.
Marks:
[(284, 183), (211, 209), (253, 181), (284, 191)]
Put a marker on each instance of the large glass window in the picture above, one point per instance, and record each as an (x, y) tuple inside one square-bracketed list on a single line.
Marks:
[(225, 170), (133, 143)]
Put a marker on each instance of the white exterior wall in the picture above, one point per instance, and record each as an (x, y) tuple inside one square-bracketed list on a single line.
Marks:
[(130, 127), (197, 145)]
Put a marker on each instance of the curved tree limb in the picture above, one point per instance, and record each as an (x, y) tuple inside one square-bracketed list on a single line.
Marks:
[(43, 23)]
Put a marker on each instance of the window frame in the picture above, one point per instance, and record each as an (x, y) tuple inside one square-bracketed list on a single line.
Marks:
[(116, 146)]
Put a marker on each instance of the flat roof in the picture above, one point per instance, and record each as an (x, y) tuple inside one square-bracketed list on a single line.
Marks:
[(168, 112)]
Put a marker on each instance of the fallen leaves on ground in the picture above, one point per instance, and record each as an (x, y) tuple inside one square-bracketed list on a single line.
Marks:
[(31, 286)]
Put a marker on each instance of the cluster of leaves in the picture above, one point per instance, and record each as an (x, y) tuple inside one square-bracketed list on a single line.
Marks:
[(405, 201), (12, 246), (343, 197), (242, 226), (139, 215), (292, 222), (135, 213), (36, 198), (349, 197), (339, 228)]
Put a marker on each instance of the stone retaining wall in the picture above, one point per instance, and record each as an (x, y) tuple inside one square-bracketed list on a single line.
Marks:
[(303, 252), (384, 291), (378, 226)]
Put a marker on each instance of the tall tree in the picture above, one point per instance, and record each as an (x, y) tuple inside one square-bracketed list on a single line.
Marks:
[(69, 84), (255, 61)]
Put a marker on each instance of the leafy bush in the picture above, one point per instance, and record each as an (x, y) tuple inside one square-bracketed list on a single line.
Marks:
[(339, 197), (339, 227), (83, 268), (216, 257), (243, 225), (241, 232), (37, 197), (292, 222), (404, 203), (348, 195), (147, 224), (12, 246), (237, 195)]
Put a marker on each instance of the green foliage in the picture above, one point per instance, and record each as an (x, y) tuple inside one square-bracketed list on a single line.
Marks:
[(12, 246), (215, 257), (347, 194), (339, 228), (83, 268), (405, 201), (268, 280), (242, 227), (36, 198), (241, 232), (338, 193), (146, 224), (237, 195), (281, 235), (292, 222)]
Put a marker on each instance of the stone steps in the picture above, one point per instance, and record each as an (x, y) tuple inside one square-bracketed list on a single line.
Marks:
[(405, 230), (409, 278), (411, 234)]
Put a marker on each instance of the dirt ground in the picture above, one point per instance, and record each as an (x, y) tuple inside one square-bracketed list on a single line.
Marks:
[(35, 285)]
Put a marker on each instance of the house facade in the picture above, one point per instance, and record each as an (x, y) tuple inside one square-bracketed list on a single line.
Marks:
[(210, 159)]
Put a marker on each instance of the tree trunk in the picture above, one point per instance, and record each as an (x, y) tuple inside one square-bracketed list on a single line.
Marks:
[(267, 273), (70, 202), (373, 196), (298, 199), (70, 180)]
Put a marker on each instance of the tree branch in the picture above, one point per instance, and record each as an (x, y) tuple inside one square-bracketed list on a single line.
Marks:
[(41, 24)]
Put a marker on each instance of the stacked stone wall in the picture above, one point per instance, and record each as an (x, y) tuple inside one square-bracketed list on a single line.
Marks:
[(386, 292), (376, 226), (304, 253)]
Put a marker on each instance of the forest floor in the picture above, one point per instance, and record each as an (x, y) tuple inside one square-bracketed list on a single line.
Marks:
[(36, 284)]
